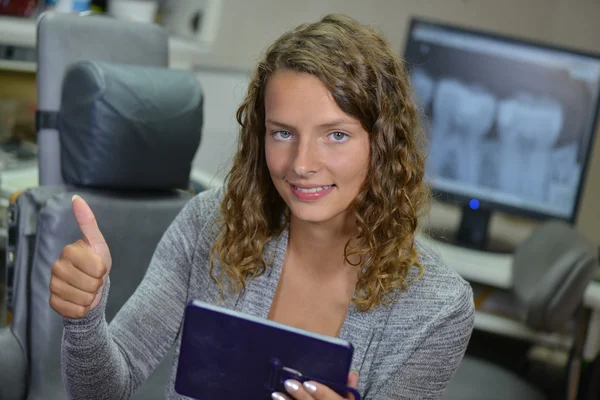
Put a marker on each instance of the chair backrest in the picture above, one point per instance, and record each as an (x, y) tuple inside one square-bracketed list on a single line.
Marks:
[(63, 39), (551, 271), (128, 138)]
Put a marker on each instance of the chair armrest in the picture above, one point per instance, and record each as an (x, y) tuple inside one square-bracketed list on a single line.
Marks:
[(13, 367)]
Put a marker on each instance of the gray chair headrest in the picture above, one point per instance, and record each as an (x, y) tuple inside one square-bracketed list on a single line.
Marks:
[(551, 272), (129, 127)]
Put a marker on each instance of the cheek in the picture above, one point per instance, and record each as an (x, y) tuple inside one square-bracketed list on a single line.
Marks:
[(353, 168), (275, 160), (361, 168)]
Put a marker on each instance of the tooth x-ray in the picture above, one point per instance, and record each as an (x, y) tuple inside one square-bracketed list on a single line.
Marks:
[(505, 121)]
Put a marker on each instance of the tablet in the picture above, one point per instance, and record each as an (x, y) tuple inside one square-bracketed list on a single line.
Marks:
[(226, 354)]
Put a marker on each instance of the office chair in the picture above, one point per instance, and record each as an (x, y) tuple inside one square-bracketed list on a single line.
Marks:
[(128, 137), (63, 39), (591, 381), (551, 271)]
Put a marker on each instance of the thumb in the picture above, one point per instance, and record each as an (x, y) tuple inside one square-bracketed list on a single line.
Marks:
[(88, 226)]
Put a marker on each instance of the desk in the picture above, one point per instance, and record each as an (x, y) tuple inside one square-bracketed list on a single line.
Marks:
[(495, 270), (14, 180)]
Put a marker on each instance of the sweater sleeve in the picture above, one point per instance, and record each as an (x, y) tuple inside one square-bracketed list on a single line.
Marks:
[(428, 371), (101, 361)]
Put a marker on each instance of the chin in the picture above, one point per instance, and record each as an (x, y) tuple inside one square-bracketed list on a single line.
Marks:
[(314, 213)]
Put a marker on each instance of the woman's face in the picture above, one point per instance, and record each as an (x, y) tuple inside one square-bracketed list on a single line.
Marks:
[(317, 155)]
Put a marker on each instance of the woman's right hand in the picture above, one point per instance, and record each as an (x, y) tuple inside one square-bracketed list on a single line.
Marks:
[(79, 274)]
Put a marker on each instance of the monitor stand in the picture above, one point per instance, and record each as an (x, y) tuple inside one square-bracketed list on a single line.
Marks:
[(473, 233)]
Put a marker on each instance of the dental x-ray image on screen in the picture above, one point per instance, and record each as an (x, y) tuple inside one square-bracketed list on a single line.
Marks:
[(509, 123)]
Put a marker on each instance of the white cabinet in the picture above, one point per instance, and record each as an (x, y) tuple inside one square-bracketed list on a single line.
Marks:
[(20, 34)]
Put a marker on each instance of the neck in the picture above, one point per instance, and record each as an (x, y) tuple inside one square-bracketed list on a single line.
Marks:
[(321, 245)]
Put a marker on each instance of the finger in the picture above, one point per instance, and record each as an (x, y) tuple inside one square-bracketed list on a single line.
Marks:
[(67, 309), (318, 391), (296, 390), (353, 379), (87, 223), (85, 260), (353, 383), (71, 294), (66, 272), (279, 396)]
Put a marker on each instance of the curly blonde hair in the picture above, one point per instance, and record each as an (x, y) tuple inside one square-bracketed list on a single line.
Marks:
[(369, 82)]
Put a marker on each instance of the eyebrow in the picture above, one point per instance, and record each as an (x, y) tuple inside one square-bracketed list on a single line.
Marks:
[(326, 125)]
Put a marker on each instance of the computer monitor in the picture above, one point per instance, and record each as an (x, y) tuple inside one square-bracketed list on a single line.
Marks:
[(510, 123)]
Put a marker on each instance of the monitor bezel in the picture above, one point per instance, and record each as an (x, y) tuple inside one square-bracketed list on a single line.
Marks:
[(491, 205)]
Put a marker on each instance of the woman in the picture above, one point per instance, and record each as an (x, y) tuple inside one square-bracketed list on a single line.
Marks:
[(315, 228)]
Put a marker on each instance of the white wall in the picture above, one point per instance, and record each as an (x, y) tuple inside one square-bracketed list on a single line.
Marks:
[(223, 92), (248, 26)]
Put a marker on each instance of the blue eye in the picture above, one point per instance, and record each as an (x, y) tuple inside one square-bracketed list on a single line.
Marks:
[(338, 136), (282, 135)]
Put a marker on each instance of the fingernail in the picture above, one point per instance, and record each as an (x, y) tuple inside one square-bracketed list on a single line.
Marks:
[(291, 386), (310, 387), (75, 196), (277, 396)]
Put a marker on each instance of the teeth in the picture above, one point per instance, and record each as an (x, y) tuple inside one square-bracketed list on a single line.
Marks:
[(313, 190), (462, 116), (528, 128), (537, 122)]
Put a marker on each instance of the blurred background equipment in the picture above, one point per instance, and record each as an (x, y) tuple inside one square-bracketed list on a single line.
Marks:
[(510, 124)]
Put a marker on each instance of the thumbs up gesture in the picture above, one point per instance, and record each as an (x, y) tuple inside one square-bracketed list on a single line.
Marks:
[(79, 274)]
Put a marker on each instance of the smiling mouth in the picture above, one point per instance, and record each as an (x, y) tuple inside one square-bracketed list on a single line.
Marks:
[(312, 189)]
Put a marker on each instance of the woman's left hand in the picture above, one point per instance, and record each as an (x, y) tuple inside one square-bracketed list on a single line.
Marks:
[(314, 391)]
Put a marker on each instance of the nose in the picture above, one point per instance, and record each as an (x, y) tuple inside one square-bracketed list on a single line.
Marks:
[(307, 159)]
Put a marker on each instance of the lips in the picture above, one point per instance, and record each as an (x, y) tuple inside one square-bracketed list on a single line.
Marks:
[(305, 193)]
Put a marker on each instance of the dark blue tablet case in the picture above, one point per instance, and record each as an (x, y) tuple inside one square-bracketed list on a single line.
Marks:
[(226, 354)]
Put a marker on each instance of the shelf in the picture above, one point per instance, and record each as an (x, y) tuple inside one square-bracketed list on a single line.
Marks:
[(22, 32), (487, 268), (490, 268), (504, 326), (17, 31), (19, 66)]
